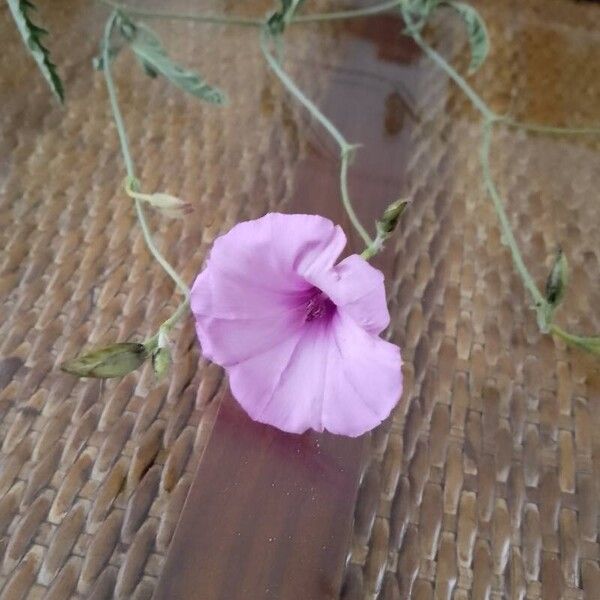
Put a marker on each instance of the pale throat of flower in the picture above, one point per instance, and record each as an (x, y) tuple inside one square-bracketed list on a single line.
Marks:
[(318, 306)]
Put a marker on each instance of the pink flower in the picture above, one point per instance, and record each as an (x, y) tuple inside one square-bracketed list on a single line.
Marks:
[(298, 334)]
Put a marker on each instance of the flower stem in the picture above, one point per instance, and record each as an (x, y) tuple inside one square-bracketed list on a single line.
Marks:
[(129, 167), (346, 148)]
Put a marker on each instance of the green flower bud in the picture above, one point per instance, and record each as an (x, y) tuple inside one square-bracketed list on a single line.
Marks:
[(115, 360), (556, 284), (390, 217), (161, 361)]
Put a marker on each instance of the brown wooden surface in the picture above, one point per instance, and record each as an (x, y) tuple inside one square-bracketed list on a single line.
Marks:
[(269, 514)]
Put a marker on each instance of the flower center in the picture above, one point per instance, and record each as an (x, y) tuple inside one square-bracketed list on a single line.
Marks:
[(318, 306)]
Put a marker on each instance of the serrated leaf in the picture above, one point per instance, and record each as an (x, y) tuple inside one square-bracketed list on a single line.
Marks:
[(31, 35), (476, 31), (147, 47)]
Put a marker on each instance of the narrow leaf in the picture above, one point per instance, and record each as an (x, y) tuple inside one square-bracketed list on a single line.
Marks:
[(476, 31), (147, 47), (31, 35)]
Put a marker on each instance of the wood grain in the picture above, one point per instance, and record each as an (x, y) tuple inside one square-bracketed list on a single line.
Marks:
[(269, 514)]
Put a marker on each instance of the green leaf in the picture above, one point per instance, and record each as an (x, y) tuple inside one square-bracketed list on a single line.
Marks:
[(32, 35), (477, 32), (556, 284), (147, 47), (111, 361)]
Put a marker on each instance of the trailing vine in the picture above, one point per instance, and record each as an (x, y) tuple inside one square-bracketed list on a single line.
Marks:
[(123, 29)]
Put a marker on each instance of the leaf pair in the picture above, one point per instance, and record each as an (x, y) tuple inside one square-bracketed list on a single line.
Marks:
[(476, 29), (32, 37)]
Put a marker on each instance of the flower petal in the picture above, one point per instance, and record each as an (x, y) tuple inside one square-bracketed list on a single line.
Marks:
[(330, 375), (284, 386), (227, 339), (364, 379), (249, 297), (357, 288), (267, 252)]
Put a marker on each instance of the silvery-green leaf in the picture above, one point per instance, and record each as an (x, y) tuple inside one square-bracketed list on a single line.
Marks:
[(476, 31), (32, 35), (147, 47), (115, 360), (556, 283)]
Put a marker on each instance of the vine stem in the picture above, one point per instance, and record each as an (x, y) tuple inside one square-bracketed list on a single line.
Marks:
[(443, 64), (349, 14), (249, 21), (346, 148), (129, 167), (159, 14), (503, 217), (548, 128)]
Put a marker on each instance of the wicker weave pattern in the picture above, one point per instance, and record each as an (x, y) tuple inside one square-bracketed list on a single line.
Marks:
[(485, 482), (92, 477)]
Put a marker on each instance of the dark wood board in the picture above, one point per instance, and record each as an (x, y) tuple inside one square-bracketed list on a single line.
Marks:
[(269, 514)]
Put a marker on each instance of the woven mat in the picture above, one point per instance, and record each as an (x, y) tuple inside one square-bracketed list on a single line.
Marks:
[(93, 477), (485, 481)]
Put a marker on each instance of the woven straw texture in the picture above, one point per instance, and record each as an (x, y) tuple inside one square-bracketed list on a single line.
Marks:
[(93, 476), (483, 484)]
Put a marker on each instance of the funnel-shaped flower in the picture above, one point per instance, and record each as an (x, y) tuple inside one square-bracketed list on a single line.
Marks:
[(298, 334)]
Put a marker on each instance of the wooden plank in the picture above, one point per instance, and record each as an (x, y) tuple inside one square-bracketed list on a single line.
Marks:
[(269, 514)]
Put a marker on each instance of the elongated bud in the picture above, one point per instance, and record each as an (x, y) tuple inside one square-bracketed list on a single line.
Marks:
[(115, 360), (169, 205), (556, 284), (390, 217), (161, 361)]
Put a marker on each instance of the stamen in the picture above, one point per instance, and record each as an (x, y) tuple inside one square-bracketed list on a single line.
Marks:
[(318, 306)]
